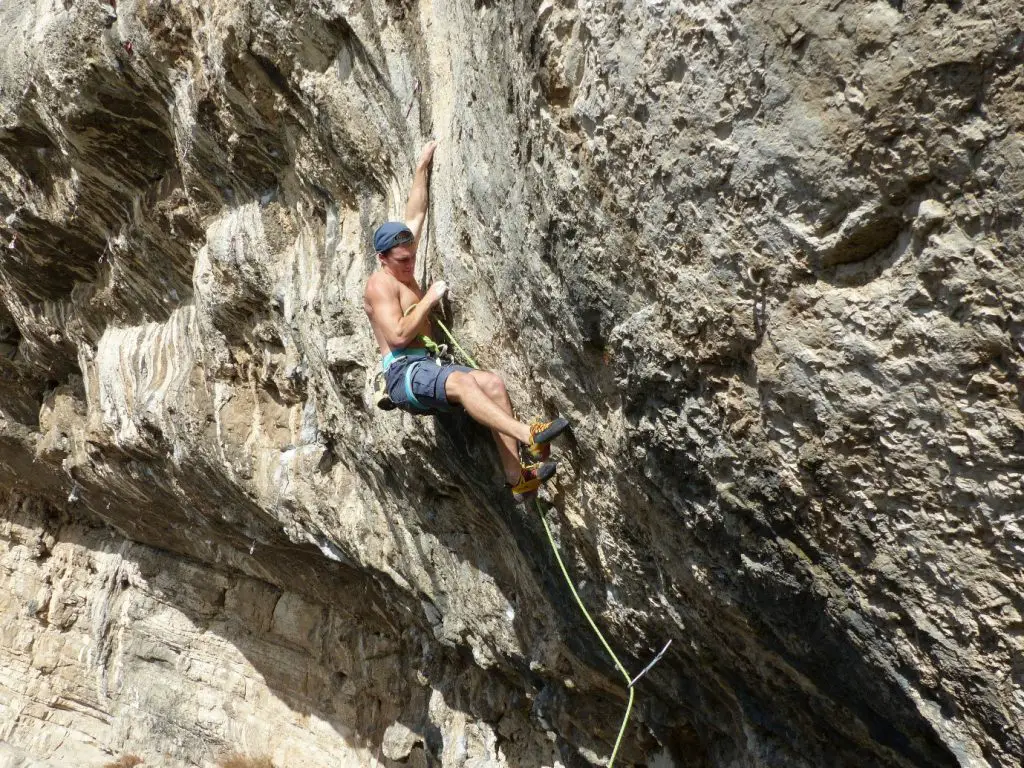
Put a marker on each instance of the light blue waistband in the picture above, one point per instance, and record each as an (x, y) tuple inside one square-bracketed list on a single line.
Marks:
[(397, 354)]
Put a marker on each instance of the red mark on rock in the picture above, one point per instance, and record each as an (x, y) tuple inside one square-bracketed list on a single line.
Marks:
[(128, 47)]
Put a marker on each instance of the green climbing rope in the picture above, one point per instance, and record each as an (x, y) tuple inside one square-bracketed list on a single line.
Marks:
[(451, 338), (593, 626), (435, 348), (568, 581)]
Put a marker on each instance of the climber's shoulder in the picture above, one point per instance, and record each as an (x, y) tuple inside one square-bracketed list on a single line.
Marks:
[(381, 284), (381, 287)]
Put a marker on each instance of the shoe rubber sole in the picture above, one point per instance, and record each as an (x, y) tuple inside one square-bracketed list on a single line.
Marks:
[(538, 447), (545, 472)]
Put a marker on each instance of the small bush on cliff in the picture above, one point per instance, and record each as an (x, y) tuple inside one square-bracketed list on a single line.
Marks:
[(128, 761), (240, 761)]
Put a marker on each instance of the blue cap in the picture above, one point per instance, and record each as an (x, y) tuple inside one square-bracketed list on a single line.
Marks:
[(389, 234)]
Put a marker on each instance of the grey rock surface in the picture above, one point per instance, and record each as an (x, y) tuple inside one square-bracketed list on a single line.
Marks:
[(767, 257)]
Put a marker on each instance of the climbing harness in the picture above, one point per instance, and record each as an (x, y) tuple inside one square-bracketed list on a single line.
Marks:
[(432, 352), (630, 681), (408, 386), (420, 356)]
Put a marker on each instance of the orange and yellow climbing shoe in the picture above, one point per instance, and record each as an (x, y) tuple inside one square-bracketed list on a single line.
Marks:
[(531, 477), (541, 435)]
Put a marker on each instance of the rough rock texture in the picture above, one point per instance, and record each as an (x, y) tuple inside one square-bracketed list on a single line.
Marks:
[(109, 644), (768, 257)]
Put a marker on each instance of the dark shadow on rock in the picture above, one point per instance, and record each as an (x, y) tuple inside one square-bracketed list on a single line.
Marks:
[(474, 518), (758, 627)]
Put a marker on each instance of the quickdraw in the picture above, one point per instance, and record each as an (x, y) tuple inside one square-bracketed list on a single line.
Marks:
[(441, 350)]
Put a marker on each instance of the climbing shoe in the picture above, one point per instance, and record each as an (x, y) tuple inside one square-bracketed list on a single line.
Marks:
[(531, 477), (541, 435)]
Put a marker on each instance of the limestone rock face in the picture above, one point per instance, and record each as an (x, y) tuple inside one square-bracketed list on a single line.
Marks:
[(767, 257)]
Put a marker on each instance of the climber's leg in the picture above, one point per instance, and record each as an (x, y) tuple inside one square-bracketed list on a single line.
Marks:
[(485, 398)]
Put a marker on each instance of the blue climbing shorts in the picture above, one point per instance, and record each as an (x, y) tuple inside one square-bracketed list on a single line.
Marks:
[(415, 381)]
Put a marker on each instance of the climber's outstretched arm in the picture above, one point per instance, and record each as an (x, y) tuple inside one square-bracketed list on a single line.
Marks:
[(419, 197)]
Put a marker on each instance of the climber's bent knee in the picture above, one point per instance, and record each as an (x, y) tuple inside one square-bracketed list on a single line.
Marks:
[(491, 384), (457, 383)]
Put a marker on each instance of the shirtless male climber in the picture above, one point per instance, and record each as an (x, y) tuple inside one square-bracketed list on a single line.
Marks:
[(416, 381)]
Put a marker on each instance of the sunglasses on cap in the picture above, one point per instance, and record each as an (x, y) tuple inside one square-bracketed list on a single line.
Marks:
[(401, 238), (398, 238)]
